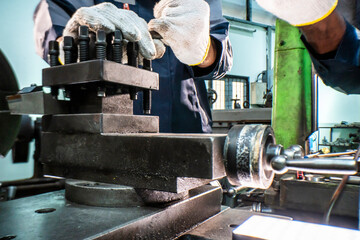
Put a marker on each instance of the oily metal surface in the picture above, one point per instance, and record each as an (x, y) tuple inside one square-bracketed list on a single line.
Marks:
[(246, 162), (100, 71), (100, 123), (153, 161), (72, 221)]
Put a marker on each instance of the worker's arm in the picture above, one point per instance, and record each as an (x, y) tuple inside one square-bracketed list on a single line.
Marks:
[(339, 68), (219, 32), (331, 41), (197, 34)]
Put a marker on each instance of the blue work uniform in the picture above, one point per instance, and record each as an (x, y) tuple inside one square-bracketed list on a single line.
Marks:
[(340, 69), (181, 103)]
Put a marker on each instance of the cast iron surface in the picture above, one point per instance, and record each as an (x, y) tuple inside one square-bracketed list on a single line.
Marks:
[(61, 219), (100, 71), (100, 123), (152, 161)]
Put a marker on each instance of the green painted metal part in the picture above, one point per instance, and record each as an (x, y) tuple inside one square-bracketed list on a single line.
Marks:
[(291, 117)]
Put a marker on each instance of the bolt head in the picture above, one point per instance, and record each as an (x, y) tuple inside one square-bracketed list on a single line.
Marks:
[(118, 36), (100, 36), (84, 33), (68, 43), (53, 45)]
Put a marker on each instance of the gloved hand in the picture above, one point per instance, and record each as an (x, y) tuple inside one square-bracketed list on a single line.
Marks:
[(184, 25), (108, 17), (299, 12)]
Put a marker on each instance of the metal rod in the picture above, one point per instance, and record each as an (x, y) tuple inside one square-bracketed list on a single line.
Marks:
[(268, 56), (242, 29), (318, 155), (249, 10), (324, 165), (314, 101), (238, 20)]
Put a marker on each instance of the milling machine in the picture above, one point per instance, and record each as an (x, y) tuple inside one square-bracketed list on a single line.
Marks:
[(133, 182)]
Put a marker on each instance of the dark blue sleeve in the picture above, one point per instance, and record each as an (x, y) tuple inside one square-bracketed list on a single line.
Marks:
[(219, 32), (50, 18), (342, 71)]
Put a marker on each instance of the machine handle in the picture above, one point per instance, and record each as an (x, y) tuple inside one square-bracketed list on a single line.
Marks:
[(340, 166)]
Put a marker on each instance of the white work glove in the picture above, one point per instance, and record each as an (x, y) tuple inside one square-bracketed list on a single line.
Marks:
[(184, 25), (299, 12), (108, 17)]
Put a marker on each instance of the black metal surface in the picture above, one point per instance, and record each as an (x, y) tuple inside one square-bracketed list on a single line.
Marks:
[(139, 160), (147, 101), (147, 65), (73, 221), (100, 123), (100, 71)]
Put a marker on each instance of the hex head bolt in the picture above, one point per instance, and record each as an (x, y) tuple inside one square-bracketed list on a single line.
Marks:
[(69, 49), (117, 46), (147, 65), (132, 54), (54, 53), (84, 40), (100, 45)]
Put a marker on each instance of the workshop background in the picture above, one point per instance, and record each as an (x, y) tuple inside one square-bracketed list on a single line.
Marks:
[(253, 48)]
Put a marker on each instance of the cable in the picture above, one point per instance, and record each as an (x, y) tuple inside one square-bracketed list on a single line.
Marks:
[(338, 192)]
